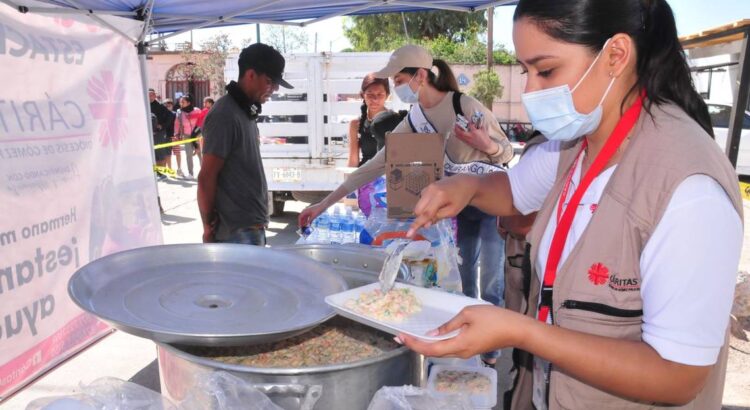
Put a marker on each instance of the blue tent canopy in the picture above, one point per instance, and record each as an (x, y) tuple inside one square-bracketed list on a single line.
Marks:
[(177, 16)]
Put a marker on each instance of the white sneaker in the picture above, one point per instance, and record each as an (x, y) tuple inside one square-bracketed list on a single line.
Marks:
[(180, 174)]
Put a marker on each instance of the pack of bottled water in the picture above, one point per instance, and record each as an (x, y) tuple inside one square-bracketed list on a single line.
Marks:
[(338, 224)]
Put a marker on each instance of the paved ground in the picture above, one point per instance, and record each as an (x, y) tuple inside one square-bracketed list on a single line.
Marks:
[(131, 358)]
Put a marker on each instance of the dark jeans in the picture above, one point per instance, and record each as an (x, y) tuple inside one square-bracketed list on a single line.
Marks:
[(248, 236)]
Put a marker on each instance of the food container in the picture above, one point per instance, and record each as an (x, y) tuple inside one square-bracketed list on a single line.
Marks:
[(224, 295), (480, 383), (348, 386)]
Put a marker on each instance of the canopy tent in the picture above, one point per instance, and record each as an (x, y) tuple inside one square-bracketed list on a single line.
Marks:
[(729, 39), (172, 17)]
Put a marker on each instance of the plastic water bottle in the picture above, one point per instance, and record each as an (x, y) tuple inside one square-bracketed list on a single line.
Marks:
[(359, 225), (334, 232), (322, 225), (347, 229)]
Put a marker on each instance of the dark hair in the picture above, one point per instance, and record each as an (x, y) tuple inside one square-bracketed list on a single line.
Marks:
[(208, 99), (368, 81), (663, 72), (444, 81), (190, 107)]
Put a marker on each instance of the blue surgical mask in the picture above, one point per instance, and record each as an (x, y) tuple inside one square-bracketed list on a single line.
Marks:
[(553, 113), (406, 94)]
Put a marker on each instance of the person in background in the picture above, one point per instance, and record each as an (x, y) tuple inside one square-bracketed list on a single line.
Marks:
[(482, 147), (169, 105), (635, 247), (160, 126), (367, 133), (208, 102), (186, 120), (362, 144), (232, 191)]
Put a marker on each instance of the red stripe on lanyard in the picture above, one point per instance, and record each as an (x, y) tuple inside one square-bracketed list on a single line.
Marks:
[(621, 131)]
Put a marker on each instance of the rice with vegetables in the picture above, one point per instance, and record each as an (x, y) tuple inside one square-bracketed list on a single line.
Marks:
[(394, 306), (337, 341)]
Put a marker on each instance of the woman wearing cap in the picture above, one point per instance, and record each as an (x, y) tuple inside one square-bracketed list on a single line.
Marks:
[(483, 149), (636, 244)]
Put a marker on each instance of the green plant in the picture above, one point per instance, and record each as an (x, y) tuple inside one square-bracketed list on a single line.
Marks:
[(486, 87)]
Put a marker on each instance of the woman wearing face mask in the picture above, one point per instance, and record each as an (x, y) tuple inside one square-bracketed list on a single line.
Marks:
[(481, 149), (636, 244)]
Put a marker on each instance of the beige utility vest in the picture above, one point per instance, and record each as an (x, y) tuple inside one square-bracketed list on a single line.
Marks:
[(664, 148)]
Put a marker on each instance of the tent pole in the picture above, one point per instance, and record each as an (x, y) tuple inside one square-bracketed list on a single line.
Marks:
[(142, 53), (737, 117)]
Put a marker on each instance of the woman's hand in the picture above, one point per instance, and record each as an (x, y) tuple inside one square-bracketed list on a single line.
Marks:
[(308, 215), (483, 328), (477, 138), (443, 199)]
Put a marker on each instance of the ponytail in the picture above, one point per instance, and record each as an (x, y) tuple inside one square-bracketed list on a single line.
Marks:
[(362, 119), (663, 71), (444, 81)]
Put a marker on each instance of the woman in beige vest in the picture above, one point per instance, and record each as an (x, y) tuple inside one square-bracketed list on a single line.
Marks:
[(635, 247)]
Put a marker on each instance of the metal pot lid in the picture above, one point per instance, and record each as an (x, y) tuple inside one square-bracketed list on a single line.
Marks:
[(207, 294)]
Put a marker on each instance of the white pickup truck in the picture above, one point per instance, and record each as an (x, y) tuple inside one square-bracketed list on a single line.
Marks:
[(304, 130)]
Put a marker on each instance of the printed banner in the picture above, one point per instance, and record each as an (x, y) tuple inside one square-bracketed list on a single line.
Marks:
[(76, 179)]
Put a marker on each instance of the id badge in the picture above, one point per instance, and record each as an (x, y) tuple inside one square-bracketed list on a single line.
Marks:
[(541, 383)]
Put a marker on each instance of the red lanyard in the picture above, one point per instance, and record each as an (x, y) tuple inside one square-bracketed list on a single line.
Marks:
[(621, 131)]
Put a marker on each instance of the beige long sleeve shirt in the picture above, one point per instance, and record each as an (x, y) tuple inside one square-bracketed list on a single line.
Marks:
[(443, 117)]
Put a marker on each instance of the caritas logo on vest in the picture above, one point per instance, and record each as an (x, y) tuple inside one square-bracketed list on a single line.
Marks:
[(599, 275)]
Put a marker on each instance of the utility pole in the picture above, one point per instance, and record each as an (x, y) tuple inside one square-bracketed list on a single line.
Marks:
[(316, 42), (490, 21), (257, 32)]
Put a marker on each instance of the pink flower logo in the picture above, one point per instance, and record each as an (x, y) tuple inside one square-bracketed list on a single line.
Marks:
[(109, 106)]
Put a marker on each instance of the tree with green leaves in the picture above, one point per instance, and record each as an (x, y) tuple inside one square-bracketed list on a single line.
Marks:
[(207, 63), (486, 87), (283, 38), (379, 32)]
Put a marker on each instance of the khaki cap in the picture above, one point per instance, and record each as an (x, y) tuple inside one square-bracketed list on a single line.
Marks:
[(408, 56)]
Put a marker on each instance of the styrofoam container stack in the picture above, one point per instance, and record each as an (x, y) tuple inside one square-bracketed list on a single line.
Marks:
[(481, 400)]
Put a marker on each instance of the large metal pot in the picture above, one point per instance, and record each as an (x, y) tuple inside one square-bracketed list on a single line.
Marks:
[(359, 265), (348, 386)]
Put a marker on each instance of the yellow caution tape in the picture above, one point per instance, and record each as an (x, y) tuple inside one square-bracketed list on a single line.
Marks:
[(165, 171), (745, 190), (180, 142)]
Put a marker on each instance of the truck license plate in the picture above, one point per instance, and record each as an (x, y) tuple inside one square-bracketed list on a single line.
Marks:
[(287, 175)]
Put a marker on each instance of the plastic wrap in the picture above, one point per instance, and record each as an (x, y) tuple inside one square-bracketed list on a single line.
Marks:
[(414, 398), (106, 393), (222, 391)]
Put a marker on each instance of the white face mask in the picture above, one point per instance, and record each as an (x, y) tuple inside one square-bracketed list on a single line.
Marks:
[(406, 94), (553, 113)]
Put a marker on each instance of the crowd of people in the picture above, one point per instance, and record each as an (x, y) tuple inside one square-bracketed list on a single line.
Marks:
[(170, 123), (608, 300)]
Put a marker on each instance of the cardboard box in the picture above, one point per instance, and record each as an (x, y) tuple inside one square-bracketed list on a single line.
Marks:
[(412, 162)]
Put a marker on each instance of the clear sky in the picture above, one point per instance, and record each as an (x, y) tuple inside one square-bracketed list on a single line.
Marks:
[(691, 15)]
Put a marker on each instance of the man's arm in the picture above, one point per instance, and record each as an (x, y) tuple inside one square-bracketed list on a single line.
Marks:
[(207, 180)]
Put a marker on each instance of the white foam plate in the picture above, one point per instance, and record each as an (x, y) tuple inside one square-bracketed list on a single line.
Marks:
[(438, 307)]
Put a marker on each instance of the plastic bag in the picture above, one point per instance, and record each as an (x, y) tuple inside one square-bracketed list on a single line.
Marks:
[(222, 391), (106, 393), (414, 398), (371, 195), (436, 265)]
